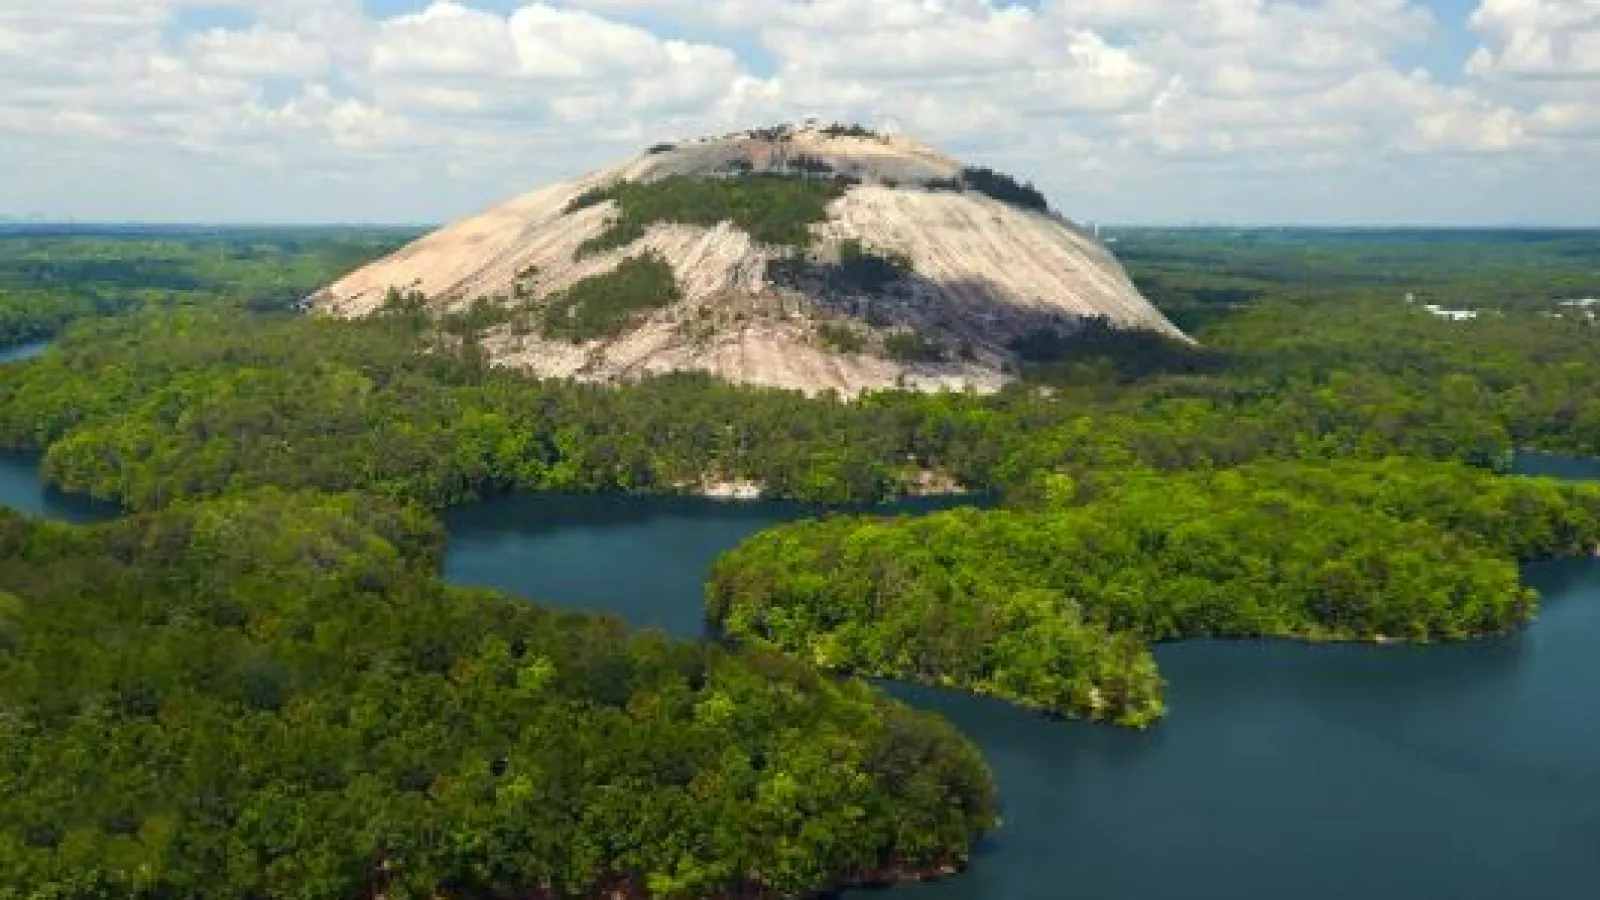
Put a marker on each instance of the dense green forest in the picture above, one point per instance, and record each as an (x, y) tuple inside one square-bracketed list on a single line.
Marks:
[(1053, 605), (1320, 467), (150, 409), (49, 278), (271, 695), (1202, 275)]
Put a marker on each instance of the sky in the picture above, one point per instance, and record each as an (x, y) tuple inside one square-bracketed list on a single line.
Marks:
[(1427, 112)]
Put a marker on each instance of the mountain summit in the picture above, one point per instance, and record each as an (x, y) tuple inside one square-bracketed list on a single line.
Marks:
[(797, 257)]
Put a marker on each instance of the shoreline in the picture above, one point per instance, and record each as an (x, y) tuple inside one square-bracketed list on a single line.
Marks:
[(746, 490)]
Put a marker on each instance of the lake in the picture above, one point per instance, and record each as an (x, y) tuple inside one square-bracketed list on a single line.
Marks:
[(20, 352), (22, 490), (1316, 773), (1313, 773)]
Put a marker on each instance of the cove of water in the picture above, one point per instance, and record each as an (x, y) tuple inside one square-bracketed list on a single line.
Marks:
[(1314, 773), (1550, 465), (22, 489), (643, 558), (21, 352), (1283, 771)]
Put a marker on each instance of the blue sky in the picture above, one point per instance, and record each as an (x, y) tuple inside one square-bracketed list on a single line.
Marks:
[(1284, 111)]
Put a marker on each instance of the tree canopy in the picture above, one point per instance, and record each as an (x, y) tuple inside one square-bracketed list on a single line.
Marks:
[(271, 695), (258, 687), (1053, 606), (771, 208)]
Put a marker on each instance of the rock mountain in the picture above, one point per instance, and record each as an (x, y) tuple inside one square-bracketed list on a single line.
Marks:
[(796, 257)]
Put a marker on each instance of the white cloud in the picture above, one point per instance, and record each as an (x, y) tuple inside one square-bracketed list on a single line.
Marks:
[(563, 43), (1138, 108), (258, 52), (1537, 39), (1560, 118), (444, 40), (1543, 56)]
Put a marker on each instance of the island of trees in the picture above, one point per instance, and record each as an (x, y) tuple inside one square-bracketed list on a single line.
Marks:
[(1054, 606)]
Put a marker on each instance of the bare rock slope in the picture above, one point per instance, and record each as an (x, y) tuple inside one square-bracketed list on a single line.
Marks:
[(910, 269)]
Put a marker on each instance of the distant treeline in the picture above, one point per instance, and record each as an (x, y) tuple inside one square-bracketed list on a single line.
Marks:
[(51, 276)]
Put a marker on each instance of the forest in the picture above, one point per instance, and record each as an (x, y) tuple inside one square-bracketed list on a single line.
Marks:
[(149, 409), (1324, 465), (272, 695), (52, 277), (1053, 605)]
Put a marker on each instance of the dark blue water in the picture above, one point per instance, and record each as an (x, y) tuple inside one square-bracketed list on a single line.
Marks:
[(1313, 773), (21, 489), (1317, 773), (20, 485), (21, 352), (1553, 466), (1283, 771), (642, 558)]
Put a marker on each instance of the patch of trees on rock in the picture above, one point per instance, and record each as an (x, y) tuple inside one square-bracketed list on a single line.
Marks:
[(997, 185), (772, 209), (604, 305)]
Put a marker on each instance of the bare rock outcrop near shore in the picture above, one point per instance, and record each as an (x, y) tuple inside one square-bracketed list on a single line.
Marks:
[(961, 273)]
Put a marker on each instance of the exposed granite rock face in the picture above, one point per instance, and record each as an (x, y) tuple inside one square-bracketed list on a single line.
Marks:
[(982, 273)]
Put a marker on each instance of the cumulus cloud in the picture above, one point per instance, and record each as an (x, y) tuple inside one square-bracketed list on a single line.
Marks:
[(1109, 103), (444, 40), (1550, 39), (1543, 56), (257, 52)]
